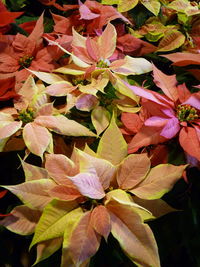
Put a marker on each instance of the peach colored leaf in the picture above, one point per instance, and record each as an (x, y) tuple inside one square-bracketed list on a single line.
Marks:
[(88, 184), (100, 220), (100, 119), (183, 59), (133, 170), (107, 42), (119, 196), (46, 248), (63, 192), (134, 237), (104, 169), (22, 220), (38, 31), (46, 109), (86, 13), (115, 149), (28, 90), (166, 82), (190, 142), (36, 138), (49, 78), (60, 89), (172, 40), (84, 241), (70, 225), (59, 167), (9, 128), (61, 125), (145, 137), (78, 39), (157, 207), (159, 181), (75, 59), (133, 66), (52, 222), (33, 172), (33, 193)]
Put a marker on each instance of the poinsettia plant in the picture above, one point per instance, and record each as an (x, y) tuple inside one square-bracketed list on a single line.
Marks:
[(101, 101), (74, 202)]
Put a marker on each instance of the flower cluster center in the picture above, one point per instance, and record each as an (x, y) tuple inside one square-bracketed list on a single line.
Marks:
[(25, 61), (103, 63), (186, 113), (77, 80), (26, 115)]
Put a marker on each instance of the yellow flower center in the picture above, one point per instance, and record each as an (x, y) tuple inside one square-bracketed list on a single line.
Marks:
[(26, 115), (186, 113), (103, 63), (25, 61)]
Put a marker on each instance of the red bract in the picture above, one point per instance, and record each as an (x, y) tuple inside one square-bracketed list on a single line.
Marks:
[(21, 53), (7, 89), (90, 17), (176, 112), (7, 17)]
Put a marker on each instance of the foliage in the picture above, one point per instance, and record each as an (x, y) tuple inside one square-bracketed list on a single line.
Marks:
[(100, 123)]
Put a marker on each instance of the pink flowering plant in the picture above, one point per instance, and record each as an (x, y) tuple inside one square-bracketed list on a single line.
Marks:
[(99, 133)]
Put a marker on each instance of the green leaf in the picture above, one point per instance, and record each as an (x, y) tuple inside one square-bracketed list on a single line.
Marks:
[(70, 225), (172, 40), (53, 220), (152, 5)]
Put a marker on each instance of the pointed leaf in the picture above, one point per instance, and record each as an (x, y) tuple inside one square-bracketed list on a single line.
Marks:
[(157, 207), (49, 78), (59, 167), (69, 228), (33, 193), (100, 119), (86, 13), (133, 66), (36, 138), (63, 192), (84, 241), (107, 41), (75, 59), (61, 125), (145, 137), (124, 6), (152, 5), (166, 82), (104, 169), (9, 128), (190, 142), (33, 172), (88, 184), (46, 248), (133, 170), (22, 220), (159, 181), (115, 149), (171, 41), (52, 222), (119, 196), (100, 220), (134, 237)]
